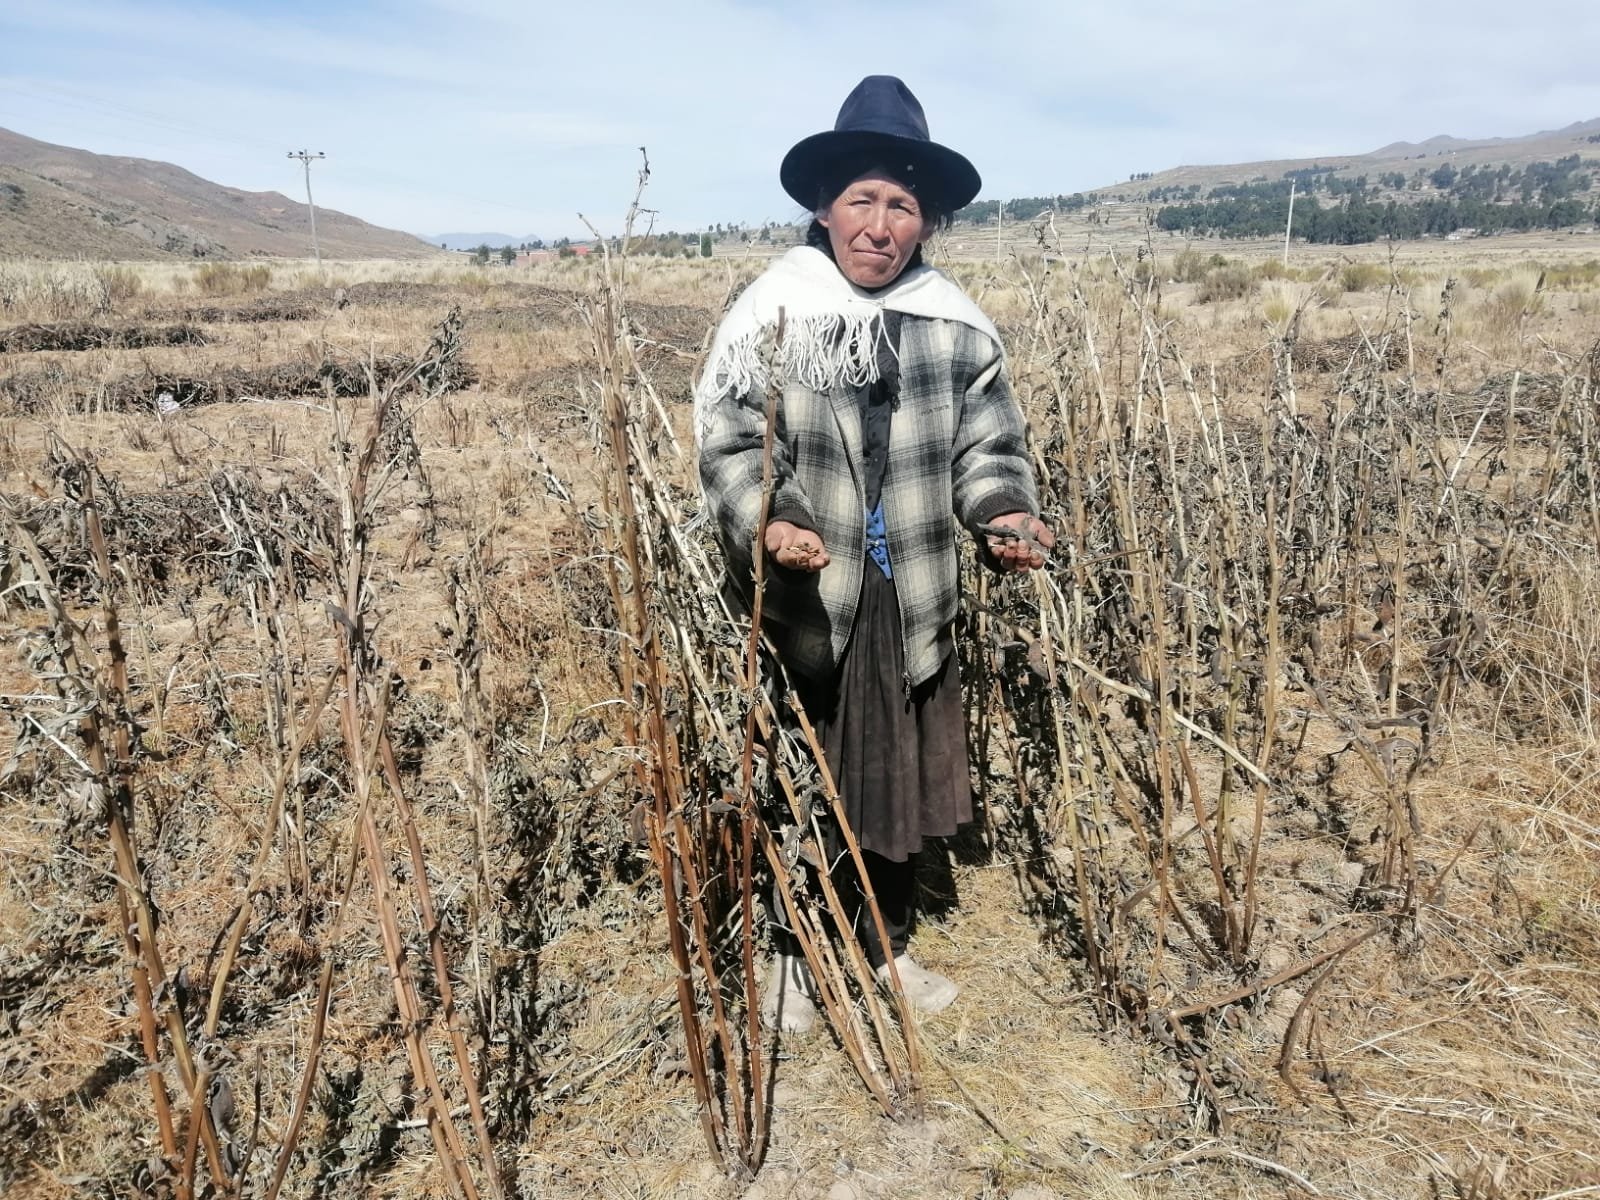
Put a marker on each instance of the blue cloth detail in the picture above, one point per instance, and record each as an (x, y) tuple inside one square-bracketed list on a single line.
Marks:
[(878, 541)]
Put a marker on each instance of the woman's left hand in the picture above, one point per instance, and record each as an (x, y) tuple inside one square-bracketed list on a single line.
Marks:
[(1018, 542)]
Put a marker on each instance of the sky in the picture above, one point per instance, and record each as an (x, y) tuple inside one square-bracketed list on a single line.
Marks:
[(515, 116)]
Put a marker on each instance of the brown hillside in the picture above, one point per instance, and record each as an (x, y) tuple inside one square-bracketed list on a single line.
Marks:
[(41, 219), (65, 203), (1397, 156)]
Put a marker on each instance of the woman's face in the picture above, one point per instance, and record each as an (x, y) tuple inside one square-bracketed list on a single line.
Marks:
[(875, 225)]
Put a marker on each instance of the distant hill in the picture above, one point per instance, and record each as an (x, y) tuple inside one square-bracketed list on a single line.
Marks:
[(1444, 186), (471, 241), (58, 202), (1550, 142), (42, 219), (1582, 137)]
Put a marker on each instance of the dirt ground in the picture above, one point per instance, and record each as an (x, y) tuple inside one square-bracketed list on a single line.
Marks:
[(1458, 1060)]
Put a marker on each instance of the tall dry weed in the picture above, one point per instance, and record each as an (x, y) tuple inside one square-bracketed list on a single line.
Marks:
[(231, 279)]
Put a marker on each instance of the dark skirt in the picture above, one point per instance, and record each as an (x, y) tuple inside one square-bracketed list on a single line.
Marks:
[(900, 762)]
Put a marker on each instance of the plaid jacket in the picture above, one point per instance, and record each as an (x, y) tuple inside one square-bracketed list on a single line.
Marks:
[(957, 448)]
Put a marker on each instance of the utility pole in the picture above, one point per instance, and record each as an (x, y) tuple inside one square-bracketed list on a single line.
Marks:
[(305, 160), (1289, 224)]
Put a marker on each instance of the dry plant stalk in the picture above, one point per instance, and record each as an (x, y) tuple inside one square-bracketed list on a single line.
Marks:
[(93, 685), (1272, 615), (270, 552), (1153, 692), (734, 785), (363, 474)]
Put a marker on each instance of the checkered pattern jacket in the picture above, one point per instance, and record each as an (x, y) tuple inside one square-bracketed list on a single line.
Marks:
[(957, 452)]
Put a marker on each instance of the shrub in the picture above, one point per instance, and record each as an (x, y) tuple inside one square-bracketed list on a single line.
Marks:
[(1362, 276), (1191, 266), (1225, 283), (216, 279), (1278, 306), (54, 292), (226, 279), (1571, 276), (119, 284), (1501, 314), (1272, 268)]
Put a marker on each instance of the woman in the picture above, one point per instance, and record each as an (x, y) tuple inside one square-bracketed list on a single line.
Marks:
[(895, 416)]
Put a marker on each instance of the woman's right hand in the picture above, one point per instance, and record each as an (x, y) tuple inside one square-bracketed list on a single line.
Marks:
[(799, 549)]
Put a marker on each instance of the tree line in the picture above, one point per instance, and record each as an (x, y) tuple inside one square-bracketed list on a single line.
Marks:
[(1023, 208), (1358, 219), (1538, 181), (1488, 198)]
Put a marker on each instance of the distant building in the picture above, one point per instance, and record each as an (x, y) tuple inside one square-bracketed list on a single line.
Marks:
[(529, 257)]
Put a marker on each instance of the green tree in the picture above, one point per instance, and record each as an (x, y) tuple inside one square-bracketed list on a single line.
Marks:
[(508, 255), (705, 245), (481, 255)]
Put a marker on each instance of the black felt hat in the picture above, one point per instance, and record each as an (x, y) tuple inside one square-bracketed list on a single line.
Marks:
[(880, 124)]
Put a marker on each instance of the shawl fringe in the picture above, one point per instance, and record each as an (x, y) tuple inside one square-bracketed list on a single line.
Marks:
[(832, 330)]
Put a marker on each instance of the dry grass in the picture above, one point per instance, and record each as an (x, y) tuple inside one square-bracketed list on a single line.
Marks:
[(1362, 276), (1224, 283), (230, 279), (1450, 1054)]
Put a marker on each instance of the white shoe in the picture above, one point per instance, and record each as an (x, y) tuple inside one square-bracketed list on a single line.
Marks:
[(789, 1003), (928, 991)]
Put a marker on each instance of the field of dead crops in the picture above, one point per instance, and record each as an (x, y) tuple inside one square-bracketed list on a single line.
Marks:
[(363, 670)]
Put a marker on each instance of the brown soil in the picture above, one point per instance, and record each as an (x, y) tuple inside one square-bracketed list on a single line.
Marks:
[(1454, 1055)]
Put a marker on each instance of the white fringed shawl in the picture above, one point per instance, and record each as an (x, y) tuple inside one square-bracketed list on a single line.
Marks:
[(831, 327)]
